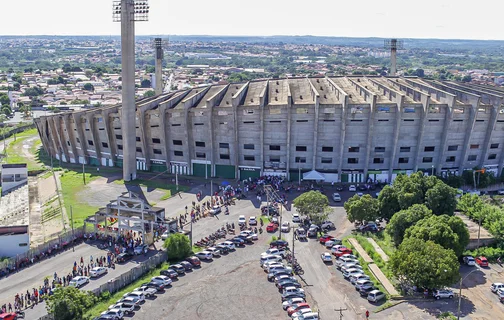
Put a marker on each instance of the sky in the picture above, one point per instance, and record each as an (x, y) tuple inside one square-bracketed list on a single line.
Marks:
[(442, 19)]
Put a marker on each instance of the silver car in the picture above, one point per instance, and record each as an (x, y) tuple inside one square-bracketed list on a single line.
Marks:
[(445, 293)]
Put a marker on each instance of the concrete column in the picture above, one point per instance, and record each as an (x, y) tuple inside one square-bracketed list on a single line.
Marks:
[(261, 128), (488, 137), (342, 135), (163, 124), (144, 125), (393, 61), (58, 125), (71, 137), (82, 137), (425, 110), (56, 143), (315, 132), (444, 136), (128, 90), (397, 130), (289, 125), (109, 131), (190, 140), (159, 71), (370, 134), (467, 137), (94, 134)]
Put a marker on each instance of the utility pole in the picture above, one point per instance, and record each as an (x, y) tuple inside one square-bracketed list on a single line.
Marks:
[(340, 312), (83, 170), (190, 234), (71, 218), (280, 229), (176, 176), (293, 241), (299, 175)]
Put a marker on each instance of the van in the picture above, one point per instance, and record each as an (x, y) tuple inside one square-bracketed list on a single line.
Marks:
[(269, 258), (375, 296)]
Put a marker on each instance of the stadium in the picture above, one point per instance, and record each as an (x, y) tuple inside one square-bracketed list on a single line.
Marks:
[(343, 129)]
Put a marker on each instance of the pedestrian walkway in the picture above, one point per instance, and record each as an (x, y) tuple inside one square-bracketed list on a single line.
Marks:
[(360, 250), (383, 279), (378, 249), (373, 268)]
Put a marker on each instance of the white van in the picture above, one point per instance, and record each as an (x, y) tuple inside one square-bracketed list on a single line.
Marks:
[(269, 258)]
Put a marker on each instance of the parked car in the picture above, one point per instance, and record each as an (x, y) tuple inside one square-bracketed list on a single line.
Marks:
[(362, 284), (282, 276), (156, 285), (274, 251), (214, 251), (285, 226), (357, 277), (148, 292), (348, 255), (297, 307), (187, 265), (352, 188), (364, 292), (269, 258), (242, 220), (170, 273), (328, 225), (291, 302), (78, 281), (238, 241), (127, 308), (301, 234), (8, 316), (115, 313), (204, 255), (362, 187), (326, 257), (252, 221), (229, 244), (336, 247), (293, 295), (496, 286), (468, 260), (215, 210), (272, 227), (276, 275), (313, 231), (336, 197), (222, 249), (123, 257), (301, 313), (139, 295), (350, 272), (288, 283), (445, 293), (482, 261), (273, 210), (375, 296), (130, 300), (308, 316), (342, 261), (342, 251), (179, 268), (165, 235), (279, 244), (194, 261), (292, 289), (324, 238), (296, 218), (352, 265), (500, 192), (164, 280), (141, 249), (332, 242), (97, 271)]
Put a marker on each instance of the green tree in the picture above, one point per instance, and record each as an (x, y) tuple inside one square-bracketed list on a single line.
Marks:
[(69, 303), (33, 92), (404, 219), (150, 93), (388, 202), (493, 220), (178, 247), (314, 205), (441, 199), (439, 229), (470, 204), (146, 83), (424, 264), (88, 87), (362, 209), (4, 100)]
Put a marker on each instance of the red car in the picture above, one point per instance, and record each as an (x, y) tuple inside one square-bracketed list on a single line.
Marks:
[(271, 227), (195, 261), (325, 238), (342, 251), (298, 307), (8, 316), (482, 261)]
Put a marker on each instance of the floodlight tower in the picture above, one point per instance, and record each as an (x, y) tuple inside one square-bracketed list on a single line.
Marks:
[(127, 12), (393, 45), (158, 45)]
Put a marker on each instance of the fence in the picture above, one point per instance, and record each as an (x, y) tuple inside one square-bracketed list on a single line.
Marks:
[(15, 130), (133, 274), (35, 253)]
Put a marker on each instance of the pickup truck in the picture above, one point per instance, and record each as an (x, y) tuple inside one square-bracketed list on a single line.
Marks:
[(147, 291)]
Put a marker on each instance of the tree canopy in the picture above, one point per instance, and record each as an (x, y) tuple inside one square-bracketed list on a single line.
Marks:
[(314, 205), (88, 87), (441, 199), (424, 264), (146, 83), (404, 219), (449, 232), (69, 303), (362, 209), (388, 203), (150, 93), (178, 246)]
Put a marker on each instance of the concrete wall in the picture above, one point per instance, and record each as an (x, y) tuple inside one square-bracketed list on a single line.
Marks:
[(14, 244)]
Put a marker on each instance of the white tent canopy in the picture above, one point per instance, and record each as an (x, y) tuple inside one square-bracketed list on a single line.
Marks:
[(313, 175)]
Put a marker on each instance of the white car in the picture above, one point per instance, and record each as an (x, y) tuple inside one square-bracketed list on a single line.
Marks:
[(352, 188), (336, 197), (298, 314), (241, 220), (358, 277), (228, 244), (252, 221), (275, 251), (496, 286), (375, 296), (309, 316), (214, 251), (469, 261), (164, 280), (348, 255), (296, 218), (363, 284), (204, 255), (124, 307), (165, 235), (351, 266), (285, 226), (78, 281), (288, 290), (97, 271), (343, 262), (147, 291), (350, 272), (135, 294), (115, 313), (215, 209), (336, 247), (291, 302), (326, 257)]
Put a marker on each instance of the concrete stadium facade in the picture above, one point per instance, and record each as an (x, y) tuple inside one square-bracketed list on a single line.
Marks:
[(349, 128)]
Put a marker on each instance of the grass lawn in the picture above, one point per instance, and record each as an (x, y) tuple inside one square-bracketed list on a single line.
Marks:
[(103, 305), (71, 184), (169, 189), (15, 154)]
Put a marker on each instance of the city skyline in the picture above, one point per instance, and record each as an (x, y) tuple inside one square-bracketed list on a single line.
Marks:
[(392, 18)]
